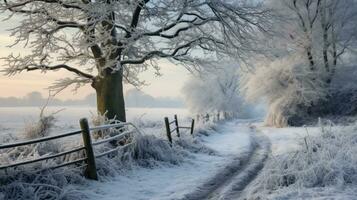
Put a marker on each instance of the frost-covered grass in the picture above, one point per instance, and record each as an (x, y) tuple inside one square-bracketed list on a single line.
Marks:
[(51, 185), (323, 162), (149, 150), (37, 129)]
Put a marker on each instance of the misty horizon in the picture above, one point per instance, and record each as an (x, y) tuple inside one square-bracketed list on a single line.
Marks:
[(133, 98)]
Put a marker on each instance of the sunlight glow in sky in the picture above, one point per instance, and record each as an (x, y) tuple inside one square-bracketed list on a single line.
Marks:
[(169, 84)]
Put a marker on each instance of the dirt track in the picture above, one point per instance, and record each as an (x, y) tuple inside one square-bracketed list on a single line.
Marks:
[(232, 180)]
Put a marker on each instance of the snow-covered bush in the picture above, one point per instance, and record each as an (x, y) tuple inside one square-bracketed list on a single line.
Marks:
[(287, 87), (42, 127), (98, 120), (150, 150), (326, 160)]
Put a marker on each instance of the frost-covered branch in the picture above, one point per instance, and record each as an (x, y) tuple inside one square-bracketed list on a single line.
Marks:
[(17, 65), (110, 36), (173, 54)]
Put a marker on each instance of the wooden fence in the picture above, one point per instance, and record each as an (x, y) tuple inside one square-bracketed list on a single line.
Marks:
[(177, 128), (214, 117), (89, 158)]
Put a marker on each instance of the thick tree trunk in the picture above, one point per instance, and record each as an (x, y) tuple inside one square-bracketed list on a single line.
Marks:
[(110, 96)]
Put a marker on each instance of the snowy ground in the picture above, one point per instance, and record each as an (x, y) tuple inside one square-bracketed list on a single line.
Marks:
[(230, 141), (285, 140), (13, 120), (174, 182)]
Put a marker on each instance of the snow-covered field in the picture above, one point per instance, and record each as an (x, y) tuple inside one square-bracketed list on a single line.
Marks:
[(14, 119)]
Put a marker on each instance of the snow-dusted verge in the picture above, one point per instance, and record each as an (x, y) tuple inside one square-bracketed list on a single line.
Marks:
[(53, 185), (202, 158), (320, 164), (27, 182), (149, 169)]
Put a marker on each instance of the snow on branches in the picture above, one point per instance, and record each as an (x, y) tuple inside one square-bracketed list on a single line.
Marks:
[(93, 38), (287, 85)]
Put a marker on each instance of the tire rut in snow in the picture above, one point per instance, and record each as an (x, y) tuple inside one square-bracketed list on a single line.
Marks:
[(231, 181)]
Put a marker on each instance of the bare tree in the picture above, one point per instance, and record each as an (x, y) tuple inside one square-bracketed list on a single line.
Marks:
[(339, 32), (215, 91), (108, 42), (327, 31), (316, 39)]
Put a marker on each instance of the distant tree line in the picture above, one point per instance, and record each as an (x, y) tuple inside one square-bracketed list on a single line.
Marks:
[(134, 98), (37, 99)]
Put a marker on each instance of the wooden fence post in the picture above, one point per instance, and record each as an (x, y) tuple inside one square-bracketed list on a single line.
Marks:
[(192, 126), (177, 126), (91, 170), (168, 131)]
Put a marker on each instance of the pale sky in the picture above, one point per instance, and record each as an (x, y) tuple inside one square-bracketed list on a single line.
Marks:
[(169, 84)]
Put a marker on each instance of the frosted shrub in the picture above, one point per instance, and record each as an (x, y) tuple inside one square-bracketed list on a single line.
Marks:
[(287, 86), (42, 127), (98, 120), (328, 159), (150, 151), (147, 151), (148, 148)]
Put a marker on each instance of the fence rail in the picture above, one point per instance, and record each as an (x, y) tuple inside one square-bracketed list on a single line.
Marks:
[(177, 128), (43, 139), (89, 159)]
